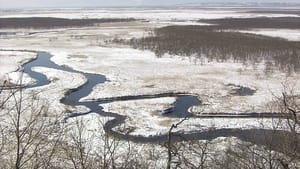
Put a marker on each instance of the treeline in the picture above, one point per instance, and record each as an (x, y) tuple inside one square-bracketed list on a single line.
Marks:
[(48, 22), (248, 23), (218, 45), (275, 11)]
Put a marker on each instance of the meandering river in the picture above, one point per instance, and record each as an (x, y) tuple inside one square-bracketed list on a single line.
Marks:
[(178, 109)]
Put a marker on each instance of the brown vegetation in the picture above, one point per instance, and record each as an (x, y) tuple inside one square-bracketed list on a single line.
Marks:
[(203, 42)]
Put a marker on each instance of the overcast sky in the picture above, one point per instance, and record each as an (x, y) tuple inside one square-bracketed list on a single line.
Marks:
[(105, 3)]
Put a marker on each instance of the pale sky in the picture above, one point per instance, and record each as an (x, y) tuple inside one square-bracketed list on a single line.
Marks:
[(105, 3)]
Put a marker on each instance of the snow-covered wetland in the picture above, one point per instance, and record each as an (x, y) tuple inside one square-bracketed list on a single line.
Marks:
[(96, 78)]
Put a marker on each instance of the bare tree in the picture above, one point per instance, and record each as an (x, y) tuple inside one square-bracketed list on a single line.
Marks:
[(172, 150), (27, 133), (289, 105), (280, 148), (91, 148), (198, 150), (77, 146)]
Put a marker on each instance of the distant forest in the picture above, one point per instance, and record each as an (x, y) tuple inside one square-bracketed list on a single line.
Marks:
[(275, 11), (249, 23), (220, 45), (48, 22)]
